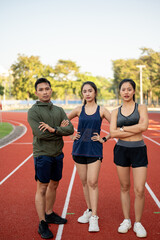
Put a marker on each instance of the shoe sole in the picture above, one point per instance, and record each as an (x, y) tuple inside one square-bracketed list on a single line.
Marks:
[(139, 236), (82, 222), (93, 231), (45, 237), (125, 231)]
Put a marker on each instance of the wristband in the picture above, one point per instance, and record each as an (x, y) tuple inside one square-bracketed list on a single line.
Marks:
[(121, 129), (104, 139)]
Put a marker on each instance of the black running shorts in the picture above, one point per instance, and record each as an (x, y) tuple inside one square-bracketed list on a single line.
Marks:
[(85, 160), (130, 156)]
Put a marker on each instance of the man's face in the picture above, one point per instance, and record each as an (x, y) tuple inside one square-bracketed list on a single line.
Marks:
[(43, 92)]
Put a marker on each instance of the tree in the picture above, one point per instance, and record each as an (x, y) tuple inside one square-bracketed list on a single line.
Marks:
[(151, 74), (65, 74), (1, 90), (151, 60), (25, 72), (124, 69), (105, 89)]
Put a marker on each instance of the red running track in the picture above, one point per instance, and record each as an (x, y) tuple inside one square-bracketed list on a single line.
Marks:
[(18, 217)]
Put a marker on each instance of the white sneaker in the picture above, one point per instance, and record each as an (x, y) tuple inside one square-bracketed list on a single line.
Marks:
[(125, 226), (139, 230), (85, 217), (93, 224)]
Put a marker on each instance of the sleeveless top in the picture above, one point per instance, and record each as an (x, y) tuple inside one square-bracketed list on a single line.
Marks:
[(88, 124), (130, 120)]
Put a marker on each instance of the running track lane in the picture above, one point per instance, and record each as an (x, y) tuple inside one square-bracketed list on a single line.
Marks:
[(18, 215)]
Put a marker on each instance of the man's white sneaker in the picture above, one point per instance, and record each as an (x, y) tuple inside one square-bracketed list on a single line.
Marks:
[(93, 224), (125, 226), (85, 217), (139, 230)]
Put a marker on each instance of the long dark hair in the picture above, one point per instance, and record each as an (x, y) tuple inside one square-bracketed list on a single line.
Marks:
[(93, 85), (131, 82)]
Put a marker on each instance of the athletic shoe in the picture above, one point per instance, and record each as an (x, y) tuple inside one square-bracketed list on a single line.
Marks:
[(125, 226), (44, 231), (85, 217), (139, 230), (93, 224), (55, 218)]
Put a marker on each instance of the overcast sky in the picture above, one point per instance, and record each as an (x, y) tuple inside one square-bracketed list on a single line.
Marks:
[(91, 33)]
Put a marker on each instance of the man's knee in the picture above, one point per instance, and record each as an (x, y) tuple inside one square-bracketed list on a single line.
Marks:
[(41, 188), (53, 185)]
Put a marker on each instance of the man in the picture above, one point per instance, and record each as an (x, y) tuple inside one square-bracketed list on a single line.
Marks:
[(49, 123)]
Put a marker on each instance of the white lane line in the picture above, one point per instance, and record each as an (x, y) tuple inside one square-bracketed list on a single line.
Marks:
[(60, 228), (152, 195), (16, 169), (151, 140), (153, 129)]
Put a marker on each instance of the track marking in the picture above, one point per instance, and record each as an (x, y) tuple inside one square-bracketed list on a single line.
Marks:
[(25, 130), (60, 228), (152, 195), (153, 129), (151, 140), (16, 169)]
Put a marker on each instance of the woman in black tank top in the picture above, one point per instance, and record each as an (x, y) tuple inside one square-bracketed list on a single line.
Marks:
[(127, 124)]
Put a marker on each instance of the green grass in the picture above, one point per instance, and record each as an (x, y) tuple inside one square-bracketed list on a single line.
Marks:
[(5, 129)]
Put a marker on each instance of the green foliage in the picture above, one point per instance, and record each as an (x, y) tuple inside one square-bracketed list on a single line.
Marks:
[(151, 60), (1, 90), (25, 72), (124, 69), (65, 70), (105, 89), (66, 78), (151, 73)]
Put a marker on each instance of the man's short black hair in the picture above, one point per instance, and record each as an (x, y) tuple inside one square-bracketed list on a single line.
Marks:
[(41, 80)]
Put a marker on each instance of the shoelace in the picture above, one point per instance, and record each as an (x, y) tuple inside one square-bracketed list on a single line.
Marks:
[(140, 226), (125, 222), (87, 211)]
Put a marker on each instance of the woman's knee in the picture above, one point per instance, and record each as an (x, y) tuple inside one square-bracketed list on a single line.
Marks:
[(125, 187), (84, 182), (92, 184), (139, 192)]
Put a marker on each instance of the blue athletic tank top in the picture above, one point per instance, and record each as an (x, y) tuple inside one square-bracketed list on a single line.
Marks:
[(88, 124), (130, 120)]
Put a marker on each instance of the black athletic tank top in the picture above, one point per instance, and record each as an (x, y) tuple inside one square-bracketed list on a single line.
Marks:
[(130, 120)]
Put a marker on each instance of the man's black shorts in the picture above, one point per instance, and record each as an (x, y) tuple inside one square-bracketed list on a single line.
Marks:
[(48, 168)]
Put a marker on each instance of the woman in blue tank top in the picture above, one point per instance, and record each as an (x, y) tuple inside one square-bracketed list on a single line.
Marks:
[(87, 150), (128, 122)]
